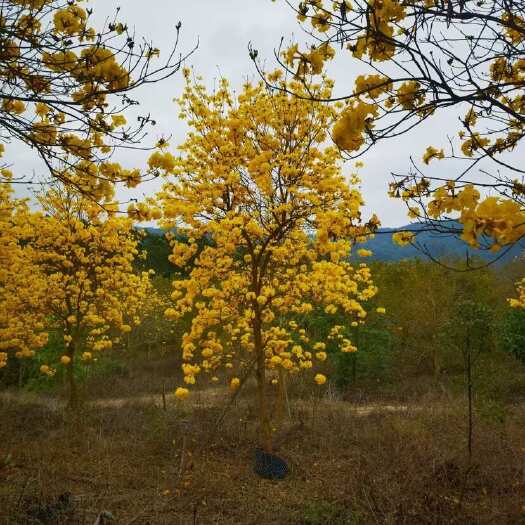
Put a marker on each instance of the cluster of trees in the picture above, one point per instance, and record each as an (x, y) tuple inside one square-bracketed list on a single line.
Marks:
[(261, 217), (68, 268)]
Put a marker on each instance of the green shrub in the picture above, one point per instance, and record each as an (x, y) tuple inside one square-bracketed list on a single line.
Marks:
[(511, 333)]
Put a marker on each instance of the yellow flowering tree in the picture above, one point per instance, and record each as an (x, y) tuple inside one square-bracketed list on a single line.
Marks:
[(417, 66), (22, 329), (270, 222), (85, 258), (417, 59), (65, 86)]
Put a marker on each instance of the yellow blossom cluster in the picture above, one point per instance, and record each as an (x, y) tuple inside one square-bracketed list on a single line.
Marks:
[(413, 75), (496, 219), (338, 335), (372, 86), (71, 20), (308, 62), (384, 17), (403, 238), (432, 153), (22, 288), (86, 172), (519, 301), (410, 95), (47, 370), (356, 119), (182, 393)]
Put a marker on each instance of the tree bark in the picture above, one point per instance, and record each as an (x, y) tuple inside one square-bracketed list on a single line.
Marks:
[(73, 401), (265, 430), (469, 394), (354, 357), (282, 399)]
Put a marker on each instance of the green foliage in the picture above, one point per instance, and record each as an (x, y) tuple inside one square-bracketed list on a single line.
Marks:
[(511, 334), (429, 312), (373, 339), (427, 309), (373, 359), (156, 245), (155, 332), (157, 250), (498, 376), (26, 372)]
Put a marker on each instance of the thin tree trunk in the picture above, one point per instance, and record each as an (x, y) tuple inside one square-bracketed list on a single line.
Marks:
[(262, 396), (469, 394), (286, 398), (21, 370), (70, 372), (354, 357), (282, 399)]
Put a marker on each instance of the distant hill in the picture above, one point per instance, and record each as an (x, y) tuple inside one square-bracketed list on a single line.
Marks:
[(438, 244)]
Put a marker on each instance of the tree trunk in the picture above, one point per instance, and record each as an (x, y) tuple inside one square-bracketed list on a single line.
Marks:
[(21, 370), (282, 399), (354, 357), (265, 430), (469, 395), (73, 401)]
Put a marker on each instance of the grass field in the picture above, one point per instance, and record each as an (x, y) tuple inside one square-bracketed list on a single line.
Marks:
[(366, 460)]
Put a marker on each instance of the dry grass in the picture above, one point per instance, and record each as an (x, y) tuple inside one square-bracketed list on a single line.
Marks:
[(385, 465)]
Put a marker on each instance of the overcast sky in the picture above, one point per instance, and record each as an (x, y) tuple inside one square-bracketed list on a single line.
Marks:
[(223, 30)]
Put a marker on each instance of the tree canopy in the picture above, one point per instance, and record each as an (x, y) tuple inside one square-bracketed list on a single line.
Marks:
[(257, 181), (66, 87)]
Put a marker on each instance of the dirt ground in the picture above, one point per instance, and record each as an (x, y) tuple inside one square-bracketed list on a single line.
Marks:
[(349, 464)]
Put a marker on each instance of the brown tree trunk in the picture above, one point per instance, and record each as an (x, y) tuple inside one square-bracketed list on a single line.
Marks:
[(73, 401), (282, 399), (21, 370), (354, 356), (469, 397), (265, 430)]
